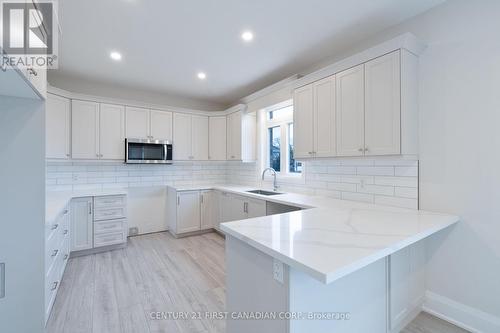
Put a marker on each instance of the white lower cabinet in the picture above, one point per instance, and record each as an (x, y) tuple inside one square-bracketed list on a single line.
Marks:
[(81, 224), (197, 210), (209, 209), (235, 207), (57, 239), (98, 221)]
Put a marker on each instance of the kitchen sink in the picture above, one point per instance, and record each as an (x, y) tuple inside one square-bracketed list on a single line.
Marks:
[(262, 192)]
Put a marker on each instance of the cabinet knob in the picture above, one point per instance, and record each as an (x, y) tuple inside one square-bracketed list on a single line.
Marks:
[(54, 227), (366, 149), (54, 285), (360, 149), (67, 155), (54, 253)]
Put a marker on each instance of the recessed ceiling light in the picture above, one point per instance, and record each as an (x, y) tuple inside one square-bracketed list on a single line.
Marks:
[(247, 36), (115, 56), (202, 76)]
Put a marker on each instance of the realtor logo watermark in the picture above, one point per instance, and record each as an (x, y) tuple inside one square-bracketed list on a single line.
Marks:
[(29, 34)]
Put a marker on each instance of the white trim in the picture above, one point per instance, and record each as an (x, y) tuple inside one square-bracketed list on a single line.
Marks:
[(459, 314), (109, 100), (406, 41)]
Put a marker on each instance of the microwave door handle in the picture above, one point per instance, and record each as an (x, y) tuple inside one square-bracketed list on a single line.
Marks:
[(165, 156)]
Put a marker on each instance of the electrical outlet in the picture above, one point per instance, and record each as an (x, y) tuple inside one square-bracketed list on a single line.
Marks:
[(362, 183), (278, 270), (133, 231), (75, 177)]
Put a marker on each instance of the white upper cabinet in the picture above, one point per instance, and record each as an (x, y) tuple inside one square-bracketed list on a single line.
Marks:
[(190, 137), (137, 123), (182, 137), (383, 105), (199, 133), (84, 125), (324, 118), (112, 132), (350, 111), (369, 109), (303, 121), (161, 125), (148, 124), (314, 119), (217, 138), (58, 127), (241, 136)]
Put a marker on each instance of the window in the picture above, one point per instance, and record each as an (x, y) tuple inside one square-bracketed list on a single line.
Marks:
[(279, 146)]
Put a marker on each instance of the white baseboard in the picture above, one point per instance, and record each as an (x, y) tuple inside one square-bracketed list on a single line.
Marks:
[(459, 314)]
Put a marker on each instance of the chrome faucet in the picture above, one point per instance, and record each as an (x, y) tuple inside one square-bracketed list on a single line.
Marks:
[(275, 185)]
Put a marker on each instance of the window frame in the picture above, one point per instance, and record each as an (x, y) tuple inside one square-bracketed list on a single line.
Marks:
[(284, 124)]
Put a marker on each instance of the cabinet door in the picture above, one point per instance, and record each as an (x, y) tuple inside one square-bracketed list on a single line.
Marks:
[(81, 224), (112, 132), (182, 137), (234, 136), (199, 140), (136, 123), (209, 209), (161, 125), (217, 138), (303, 120), (255, 208), (188, 211), (382, 106), (324, 118), (57, 124), (231, 207), (350, 112), (84, 130)]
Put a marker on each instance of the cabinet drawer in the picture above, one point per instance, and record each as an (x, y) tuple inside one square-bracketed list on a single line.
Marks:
[(109, 239), (102, 227), (110, 201), (109, 213)]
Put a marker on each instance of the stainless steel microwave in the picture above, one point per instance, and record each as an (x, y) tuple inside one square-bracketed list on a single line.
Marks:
[(139, 151)]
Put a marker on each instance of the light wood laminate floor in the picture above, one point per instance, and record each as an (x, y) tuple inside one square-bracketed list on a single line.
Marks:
[(123, 290)]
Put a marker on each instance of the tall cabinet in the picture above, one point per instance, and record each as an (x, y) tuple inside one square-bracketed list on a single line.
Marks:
[(217, 138)]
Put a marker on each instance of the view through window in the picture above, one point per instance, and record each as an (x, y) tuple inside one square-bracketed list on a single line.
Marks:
[(280, 150)]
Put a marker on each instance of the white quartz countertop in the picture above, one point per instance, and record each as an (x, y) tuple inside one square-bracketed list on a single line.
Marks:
[(334, 237), (56, 201)]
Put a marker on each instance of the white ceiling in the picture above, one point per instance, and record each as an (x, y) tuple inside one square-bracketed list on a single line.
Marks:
[(165, 43)]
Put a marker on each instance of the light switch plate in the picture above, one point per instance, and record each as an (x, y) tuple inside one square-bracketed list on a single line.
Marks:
[(278, 270), (2, 280)]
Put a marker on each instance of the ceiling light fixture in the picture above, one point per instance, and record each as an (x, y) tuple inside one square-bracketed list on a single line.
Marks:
[(202, 76), (115, 56), (247, 36)]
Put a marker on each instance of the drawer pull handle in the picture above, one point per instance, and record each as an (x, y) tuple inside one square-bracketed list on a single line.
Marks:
[(54, 227), (65, 212), (54, 285), (108, 226), (54, 253), (65, 232)]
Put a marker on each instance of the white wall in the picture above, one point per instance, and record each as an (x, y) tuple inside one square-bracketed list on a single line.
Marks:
[(459, 157), (22, 207)]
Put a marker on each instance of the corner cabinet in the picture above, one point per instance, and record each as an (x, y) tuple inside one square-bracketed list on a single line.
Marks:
[(191, 211), (217, 138), (241, 136), (367, 110)]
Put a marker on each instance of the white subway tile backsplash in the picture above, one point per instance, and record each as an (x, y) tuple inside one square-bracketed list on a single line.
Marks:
[(387, 181), (406, 171), (376, 170)]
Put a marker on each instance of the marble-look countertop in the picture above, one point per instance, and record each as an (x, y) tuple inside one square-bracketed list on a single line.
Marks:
[(55, 201), (331, 238)]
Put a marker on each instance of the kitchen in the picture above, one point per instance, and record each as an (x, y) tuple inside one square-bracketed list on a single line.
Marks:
[(196, 193)]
